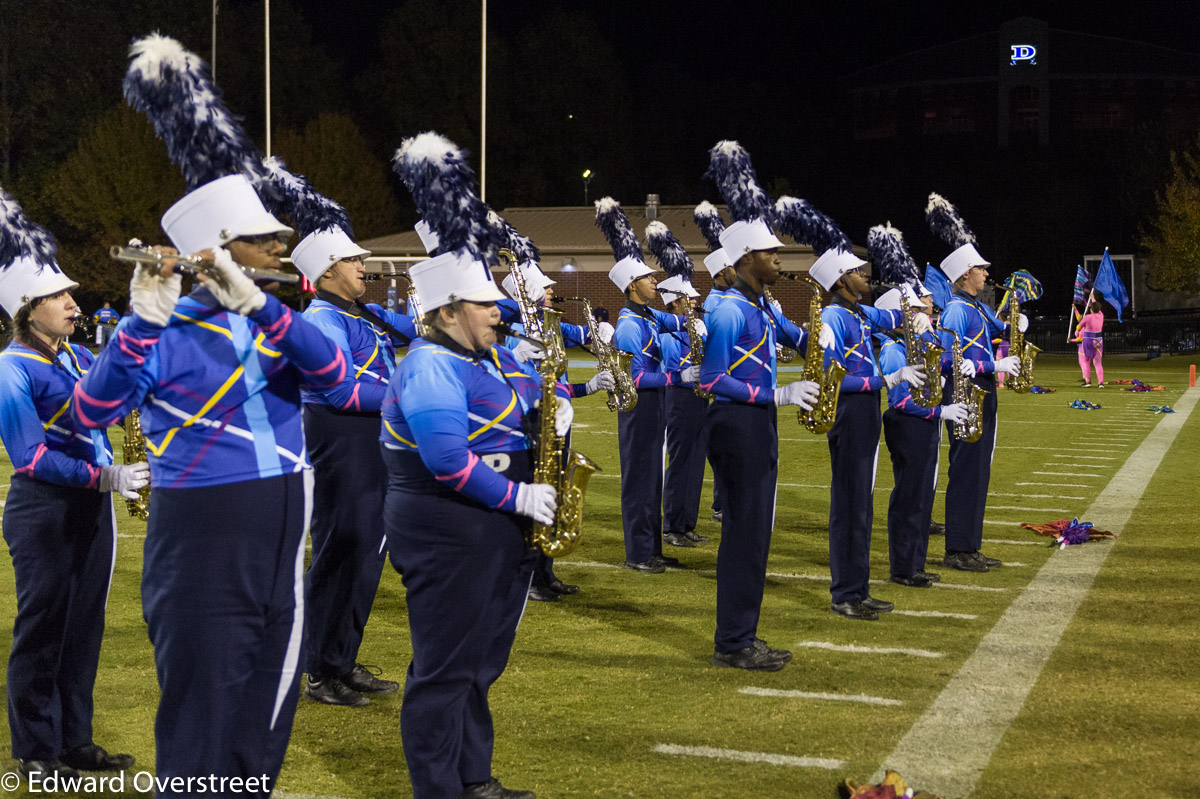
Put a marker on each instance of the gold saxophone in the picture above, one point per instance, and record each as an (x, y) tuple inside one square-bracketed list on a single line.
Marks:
[(134, 451), (920, 352), (822, 416), (967, 393), (696, 344), (783, 354), (1018, 346), (617, 363), (565, 469)]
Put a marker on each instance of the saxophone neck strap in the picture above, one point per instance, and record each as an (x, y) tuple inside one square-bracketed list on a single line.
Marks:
[(356, 308)]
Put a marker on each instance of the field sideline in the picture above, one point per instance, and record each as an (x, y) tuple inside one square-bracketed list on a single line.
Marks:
[(1067, 673)]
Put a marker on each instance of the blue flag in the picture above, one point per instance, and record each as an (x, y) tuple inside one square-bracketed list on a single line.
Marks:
[(1108, 283)]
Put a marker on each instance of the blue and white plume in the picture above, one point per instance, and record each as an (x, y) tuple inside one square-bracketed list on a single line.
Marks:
[(174, 89), (708, 218), (669, 251), (522, 246), (613, 223), (21, 238), (435, 170), (292, 195), (890, 255), (807, 225), (730, 168), (945, 222)]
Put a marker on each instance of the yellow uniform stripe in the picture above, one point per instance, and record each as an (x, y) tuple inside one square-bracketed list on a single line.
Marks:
[(213, 400), (753, 350), (511, 404), (397, 436), (56, 416)]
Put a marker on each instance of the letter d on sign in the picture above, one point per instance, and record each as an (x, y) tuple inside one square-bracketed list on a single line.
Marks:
[(1023, 52)]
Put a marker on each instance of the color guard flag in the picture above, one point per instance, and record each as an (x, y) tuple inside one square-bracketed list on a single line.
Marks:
[(1108, 283), (1083, 284)]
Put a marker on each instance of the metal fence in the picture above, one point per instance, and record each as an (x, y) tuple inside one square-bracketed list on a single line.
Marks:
[(1151, 336)]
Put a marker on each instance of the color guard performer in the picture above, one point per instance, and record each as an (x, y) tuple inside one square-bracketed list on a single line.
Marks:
[(641, 431), (854, 437), (975, 324), (217, 377), (341, 427), (455, 440), (58, 515), (739, 370)]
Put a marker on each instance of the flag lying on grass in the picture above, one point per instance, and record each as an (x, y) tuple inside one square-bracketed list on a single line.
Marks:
[(1068, 532)]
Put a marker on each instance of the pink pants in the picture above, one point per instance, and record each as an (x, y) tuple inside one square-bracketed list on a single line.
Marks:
[(1091, 351)]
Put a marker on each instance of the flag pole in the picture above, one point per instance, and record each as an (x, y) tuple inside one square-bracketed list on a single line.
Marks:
[(267, 27)]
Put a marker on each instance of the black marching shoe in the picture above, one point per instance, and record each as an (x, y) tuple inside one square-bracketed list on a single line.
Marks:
[(651, 566), (751, 658), (877, 605), (854, 610), (559, 587), (94, 758), (917, 580), (678, 540), (717, 516), (695, 537), (667, 561), (762, 646), (991, 563), (492, 789), (930, 576), (963, 562), (937, 528), (366, 681), (332, 691), (45, 768), (542, 593)]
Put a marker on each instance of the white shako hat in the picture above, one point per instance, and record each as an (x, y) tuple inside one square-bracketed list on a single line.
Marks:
[(832, 265), (217, 213), (744, 237), (453, 276), (628, 270), (890, 299), (536, 282), (675, 287), (28, 265), (429, 239), (957, 263), (320, 250), (716, 262)]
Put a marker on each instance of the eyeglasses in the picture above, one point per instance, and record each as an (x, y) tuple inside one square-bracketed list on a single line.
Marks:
[(263, 241)]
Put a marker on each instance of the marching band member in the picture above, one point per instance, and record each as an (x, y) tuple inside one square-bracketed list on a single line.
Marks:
[(975, 324), (708, 219), (217, 376), (912, 433), (854, 437), (640, 431), (58, 516), (685, 410), (105, 321), (341, 428), (460, 489), (739, 370)]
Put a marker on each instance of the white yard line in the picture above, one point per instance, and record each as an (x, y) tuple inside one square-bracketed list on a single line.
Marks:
[(1031, 510), (750, 757), (950, 746), (1051, 485), (935, 614), (869, 650), (1068, 474), (1013, 543), (781, 694)]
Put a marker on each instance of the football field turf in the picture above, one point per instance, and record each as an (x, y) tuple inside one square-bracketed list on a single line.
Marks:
[(1065, 673)]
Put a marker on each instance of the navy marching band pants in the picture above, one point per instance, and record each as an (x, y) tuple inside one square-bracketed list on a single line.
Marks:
[(687, 440), (466, 572), (223, 596), (969, 475), (913, 444), (63, 542), (347, 535), (640, 435), (854, 455), (744, 446)]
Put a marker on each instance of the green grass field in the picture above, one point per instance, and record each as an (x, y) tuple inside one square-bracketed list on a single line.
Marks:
[(599, 680)]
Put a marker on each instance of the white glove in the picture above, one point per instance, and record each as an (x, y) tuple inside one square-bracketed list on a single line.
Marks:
[(802, 392), (775, 304), (701, 328), (690, 374), (601, 381), (1022, 323), (921, 324), (826, 340), (153, 296), (230, 285), (913, 375), (527, 351), (1009, 365), (125, 480), (537, 501), (967, 368), (564, 413), (955, 412), (604, 332)]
